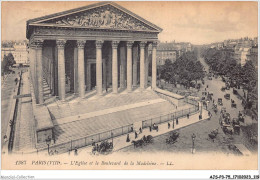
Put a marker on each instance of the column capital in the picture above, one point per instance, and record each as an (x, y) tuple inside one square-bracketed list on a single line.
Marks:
[(115, 44), (38, 43), (99, 43), (129, 44), (60, 43), (155, 44), (81, 43), (142, 44)]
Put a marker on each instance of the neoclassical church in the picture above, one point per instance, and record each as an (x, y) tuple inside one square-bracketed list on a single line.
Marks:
[(99, 46), (94, 62)]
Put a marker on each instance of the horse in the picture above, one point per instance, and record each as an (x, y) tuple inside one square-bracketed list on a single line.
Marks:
[(213, 134), (148, 139), (138, 143), (173, 138)]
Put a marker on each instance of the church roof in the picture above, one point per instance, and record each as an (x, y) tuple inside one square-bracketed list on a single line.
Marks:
[(56, 19)]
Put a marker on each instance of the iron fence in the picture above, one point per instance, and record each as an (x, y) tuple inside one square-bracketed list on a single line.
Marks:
[(169, 117), (191, 101), (88, 140)]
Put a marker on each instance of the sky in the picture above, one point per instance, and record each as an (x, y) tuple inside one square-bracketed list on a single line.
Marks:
[(195, 22)]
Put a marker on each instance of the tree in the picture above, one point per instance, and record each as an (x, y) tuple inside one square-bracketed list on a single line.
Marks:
[(7, 62)]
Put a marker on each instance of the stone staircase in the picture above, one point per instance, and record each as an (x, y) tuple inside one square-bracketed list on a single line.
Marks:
[(90, 105), (82, 128)]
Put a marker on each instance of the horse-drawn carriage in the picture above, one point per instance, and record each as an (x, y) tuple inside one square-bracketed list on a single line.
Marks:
[(145, 140), (233, 105), (223, 110), (227, 129), (220, 103), (173, 138), (225, 123), (213, 134), (241, 118), (103, 148), (236, 126), (215, 108)]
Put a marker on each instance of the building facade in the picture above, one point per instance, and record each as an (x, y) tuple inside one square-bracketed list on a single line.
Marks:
[(20, 52), (171, 51), (97, 46)]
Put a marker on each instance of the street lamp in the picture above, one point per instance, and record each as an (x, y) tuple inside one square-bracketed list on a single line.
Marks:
[(112, 137), (193, 143), (48, 142), (200, 103)]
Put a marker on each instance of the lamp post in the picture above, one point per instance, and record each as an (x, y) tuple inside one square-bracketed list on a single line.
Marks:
[(48, 142), (200, 105), (112, 137), (193, 143)]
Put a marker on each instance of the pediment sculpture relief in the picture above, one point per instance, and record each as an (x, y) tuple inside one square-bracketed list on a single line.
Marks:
[(104, 18)]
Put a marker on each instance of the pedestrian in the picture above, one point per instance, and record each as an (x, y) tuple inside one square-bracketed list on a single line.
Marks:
[(136, 135), (173, 124), (177, 120), (127, 138), (187, 116), (55, 152), (169, 125), (5, 138), (76, 152), (150, 128), (213, 101), (97, 148), (140, 130)]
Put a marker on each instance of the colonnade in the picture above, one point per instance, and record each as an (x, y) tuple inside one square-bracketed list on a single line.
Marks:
[(131, 64)]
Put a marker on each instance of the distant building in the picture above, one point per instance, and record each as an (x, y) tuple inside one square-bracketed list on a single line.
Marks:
[(20, 53), (255, 41), (171, 51), (18, 49), (243, 57), (166, 51), (253, 55)]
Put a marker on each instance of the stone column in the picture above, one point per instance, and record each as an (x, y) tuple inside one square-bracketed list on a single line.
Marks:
[(32, 65), (76, 70), (135, 57), (88, 76), (114, 66), (142, 65), (39, 73), (129, 45), (109, 67), (81, 68), (104, 73), (99, 44), (122, 66), (61, 69), (154, 65), (146, 65)]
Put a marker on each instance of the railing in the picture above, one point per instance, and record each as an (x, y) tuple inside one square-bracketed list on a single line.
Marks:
[(88, 140), (191, 101), (165, 98), (169, 117), (14, 118)]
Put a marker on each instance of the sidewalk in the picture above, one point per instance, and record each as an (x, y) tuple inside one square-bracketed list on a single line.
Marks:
[(25, 125), (120, 141)]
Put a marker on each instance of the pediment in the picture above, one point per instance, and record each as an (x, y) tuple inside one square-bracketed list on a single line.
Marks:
[(105, 16)]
